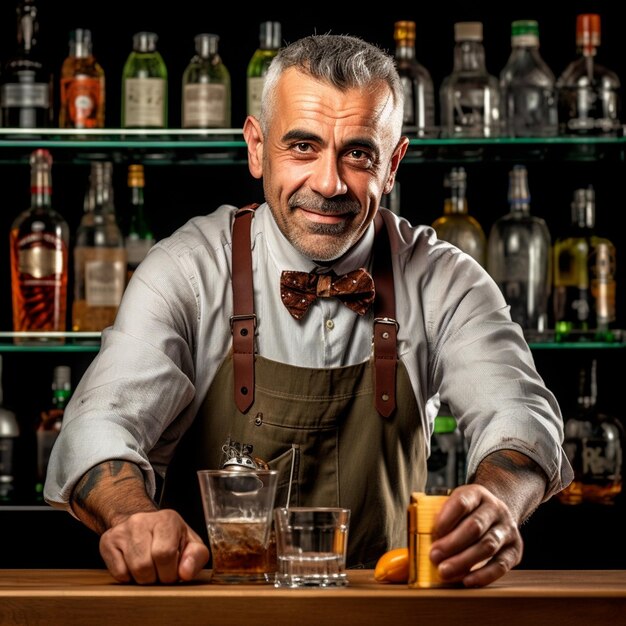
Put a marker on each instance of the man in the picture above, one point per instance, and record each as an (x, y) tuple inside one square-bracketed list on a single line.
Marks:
[(205, 360)]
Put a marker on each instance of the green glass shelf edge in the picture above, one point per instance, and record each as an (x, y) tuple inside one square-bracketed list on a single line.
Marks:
[(233, 138)]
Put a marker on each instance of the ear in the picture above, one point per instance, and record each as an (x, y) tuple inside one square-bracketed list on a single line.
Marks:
[(396, 157), (254, 138)]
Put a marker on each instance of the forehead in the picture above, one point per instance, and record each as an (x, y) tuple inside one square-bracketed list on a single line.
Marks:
[(308, 103)]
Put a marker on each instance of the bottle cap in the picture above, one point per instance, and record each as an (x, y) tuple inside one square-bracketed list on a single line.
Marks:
[(136, 175), (584, 207), (206, 44), (62, 377), (588, 29), (525, 32), (269, 35), (80, 42), (145, 41), (468, 31), (404, 31), (444, 424)]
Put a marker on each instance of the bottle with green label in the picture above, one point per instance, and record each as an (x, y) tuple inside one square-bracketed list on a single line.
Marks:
[(269, 44)]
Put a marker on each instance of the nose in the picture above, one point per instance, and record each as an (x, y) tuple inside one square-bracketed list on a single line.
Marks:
[(326, 177)]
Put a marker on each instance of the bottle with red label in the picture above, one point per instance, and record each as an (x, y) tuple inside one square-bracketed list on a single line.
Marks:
[(82, 85)]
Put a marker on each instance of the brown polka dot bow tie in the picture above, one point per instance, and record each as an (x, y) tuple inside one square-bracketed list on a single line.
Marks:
[(299, 290)]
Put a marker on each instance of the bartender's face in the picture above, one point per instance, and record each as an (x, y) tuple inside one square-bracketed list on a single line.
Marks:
[(326, 161)]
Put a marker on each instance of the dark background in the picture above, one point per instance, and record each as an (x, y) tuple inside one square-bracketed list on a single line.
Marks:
[(556, 535)]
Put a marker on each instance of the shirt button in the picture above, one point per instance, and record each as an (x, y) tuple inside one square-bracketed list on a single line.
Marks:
[(330, 324)]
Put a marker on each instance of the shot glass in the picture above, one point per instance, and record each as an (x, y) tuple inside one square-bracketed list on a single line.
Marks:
[(238, 509), (311, 546)]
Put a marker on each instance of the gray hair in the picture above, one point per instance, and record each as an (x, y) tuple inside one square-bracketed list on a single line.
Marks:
[(343, 61)]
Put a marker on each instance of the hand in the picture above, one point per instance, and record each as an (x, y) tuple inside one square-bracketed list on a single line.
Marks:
[(477, 538), (153, 547)]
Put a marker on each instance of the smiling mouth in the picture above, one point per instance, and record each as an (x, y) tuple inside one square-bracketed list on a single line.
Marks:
[(324, 218)]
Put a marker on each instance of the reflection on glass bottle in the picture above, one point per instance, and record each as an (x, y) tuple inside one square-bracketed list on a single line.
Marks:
[(139, 238), (9, 432), (456, 225), (519, 257), (99, 257), (588, 93), (578, 260), (527, 85), (419, 93), (470, 96), (269, 44), (206, 87), (144, 85), (594, 446)]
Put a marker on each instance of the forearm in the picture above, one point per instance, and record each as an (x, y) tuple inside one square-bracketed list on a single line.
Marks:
[(515, 479), (109, 493)]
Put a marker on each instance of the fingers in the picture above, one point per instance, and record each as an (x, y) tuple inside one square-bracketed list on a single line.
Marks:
[(478, 540), (153, 547)]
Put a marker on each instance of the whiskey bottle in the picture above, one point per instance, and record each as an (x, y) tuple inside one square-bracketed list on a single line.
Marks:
[(50, 422), (529, 104), (456, 225), (419, 94), (82, 85), (594, 444), (588, 93), (9, 432), (140, 237), (144, 85), (470, 96), (269, 44), (519, 257), (39, 245), (99, 258), (577, 259), (206, 98), (26, 99)]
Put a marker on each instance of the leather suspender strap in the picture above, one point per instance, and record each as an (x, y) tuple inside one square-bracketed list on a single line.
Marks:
[(385, 324), (243, 321)]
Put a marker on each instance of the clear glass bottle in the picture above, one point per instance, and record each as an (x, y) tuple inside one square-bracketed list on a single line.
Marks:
[(206, 98), (269, 44), (82, 85), (419, 93), (594, 445), (9, 433), (456, 225), (576, 258), (469, 96), (527, 85), (139, 238), (39, 245), (26, 93), (519, 257), (50, 422), (144, 85), (99, 258), (588, 93)]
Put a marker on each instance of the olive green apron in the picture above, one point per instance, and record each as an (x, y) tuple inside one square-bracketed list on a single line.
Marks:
[(321, 430)]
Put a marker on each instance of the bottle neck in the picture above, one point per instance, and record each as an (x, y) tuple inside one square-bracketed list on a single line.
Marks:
[(588, 387), (136, 200), (405, 50), (469, 56), (27, 28), (40, 187)]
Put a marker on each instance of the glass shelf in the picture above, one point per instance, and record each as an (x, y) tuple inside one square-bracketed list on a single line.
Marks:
[(226, 146)]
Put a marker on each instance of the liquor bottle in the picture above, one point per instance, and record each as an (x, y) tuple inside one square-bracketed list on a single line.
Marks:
[(144, 85), (519, 257), (82, 85), (577, 260), (269, 44), (99, 258), (9, 432), (26, 92), (139, 238), (588, 93), (469, 96), (594, 445), (529, 103), (206, 87), (39, 244), (419, 93), (456, 225), (446, 463), (50, 422)]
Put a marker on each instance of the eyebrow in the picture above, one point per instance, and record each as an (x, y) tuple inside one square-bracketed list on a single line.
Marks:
[(355, 142)]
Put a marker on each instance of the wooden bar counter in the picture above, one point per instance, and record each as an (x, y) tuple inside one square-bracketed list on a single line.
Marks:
[(526, 597)]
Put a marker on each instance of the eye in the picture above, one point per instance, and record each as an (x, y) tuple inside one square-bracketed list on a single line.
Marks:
[(302, 147), (361, 158)]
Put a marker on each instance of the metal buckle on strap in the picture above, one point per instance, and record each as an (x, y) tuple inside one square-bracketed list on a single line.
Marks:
[(387, 320), (242, 318)]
